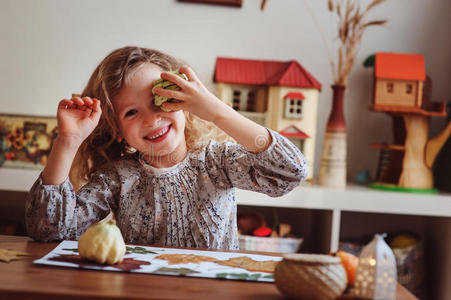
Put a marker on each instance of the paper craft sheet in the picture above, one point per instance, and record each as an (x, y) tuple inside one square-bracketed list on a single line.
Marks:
[(168, 261)]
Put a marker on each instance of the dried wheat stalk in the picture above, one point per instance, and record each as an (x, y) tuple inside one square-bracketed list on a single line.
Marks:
[(351, 26)]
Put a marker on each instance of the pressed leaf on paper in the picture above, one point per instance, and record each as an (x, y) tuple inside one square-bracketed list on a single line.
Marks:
[(249, 264), (179, 271), (175, 259)]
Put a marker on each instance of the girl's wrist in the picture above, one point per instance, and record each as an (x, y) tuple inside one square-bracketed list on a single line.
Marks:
[(67, 142), (220, 112), (61, 156)]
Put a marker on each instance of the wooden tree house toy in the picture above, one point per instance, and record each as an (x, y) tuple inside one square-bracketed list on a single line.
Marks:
[(280, 95), (402, 89)]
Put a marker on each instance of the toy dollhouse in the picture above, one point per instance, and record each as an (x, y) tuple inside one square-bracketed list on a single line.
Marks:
[(280, 95), (402, 89), (398, 84)]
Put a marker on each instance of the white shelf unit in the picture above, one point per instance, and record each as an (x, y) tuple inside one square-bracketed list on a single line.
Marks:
[(354, 199)]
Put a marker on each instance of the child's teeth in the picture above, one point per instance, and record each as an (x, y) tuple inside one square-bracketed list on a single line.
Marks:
[(158, 135)]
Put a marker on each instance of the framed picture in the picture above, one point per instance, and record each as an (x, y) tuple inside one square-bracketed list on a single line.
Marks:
[(25, 141), (237, 3)]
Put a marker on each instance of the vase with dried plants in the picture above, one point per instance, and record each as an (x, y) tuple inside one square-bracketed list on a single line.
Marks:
[(352, 23)]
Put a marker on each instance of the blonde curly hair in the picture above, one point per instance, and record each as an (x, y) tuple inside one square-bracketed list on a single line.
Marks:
[(101, 146)]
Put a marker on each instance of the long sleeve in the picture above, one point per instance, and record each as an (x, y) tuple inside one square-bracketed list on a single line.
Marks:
[(275, 171), (56, 212)]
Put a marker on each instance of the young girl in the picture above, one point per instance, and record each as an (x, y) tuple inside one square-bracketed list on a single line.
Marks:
[(174, 190)]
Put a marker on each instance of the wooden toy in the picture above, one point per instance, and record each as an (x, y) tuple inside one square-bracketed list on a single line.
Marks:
[(402, 89), (280, 95)]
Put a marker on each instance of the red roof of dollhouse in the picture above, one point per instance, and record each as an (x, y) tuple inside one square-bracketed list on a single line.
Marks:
[(399, 66), (293, 95), (262, 72), (293, 132)]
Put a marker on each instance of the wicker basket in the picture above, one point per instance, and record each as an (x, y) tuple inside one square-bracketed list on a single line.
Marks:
[(410, 266), (269, 244), (310, 276)]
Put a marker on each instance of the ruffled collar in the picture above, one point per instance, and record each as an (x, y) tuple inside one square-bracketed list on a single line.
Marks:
[(164, 171)]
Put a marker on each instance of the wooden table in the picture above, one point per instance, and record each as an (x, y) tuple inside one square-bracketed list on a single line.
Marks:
[(21, 279)]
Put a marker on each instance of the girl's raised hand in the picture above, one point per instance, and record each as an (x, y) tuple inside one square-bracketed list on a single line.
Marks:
[(194, 97), (78, 117)]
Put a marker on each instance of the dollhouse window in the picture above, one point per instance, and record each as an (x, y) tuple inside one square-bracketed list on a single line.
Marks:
[(236, 99), (293, 108), (409, 88), (250, 101), (390, 87), (244, 99)]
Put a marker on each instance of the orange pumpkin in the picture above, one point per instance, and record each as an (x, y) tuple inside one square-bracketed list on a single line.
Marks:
[(349, 262)]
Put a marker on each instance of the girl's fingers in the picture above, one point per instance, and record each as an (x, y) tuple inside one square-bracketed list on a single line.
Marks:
[(82, 104), (87, 104), (170, 93), (174, 78), (96, 111), (189, 73), (87, 101), (96, 105), (173, 106), (67, 104), (63, 103), (77, 100)]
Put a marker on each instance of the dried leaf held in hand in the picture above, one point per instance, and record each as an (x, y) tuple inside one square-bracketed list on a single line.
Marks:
[(9, 255)]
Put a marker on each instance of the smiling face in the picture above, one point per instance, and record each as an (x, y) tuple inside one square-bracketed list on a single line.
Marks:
[(157, 134)]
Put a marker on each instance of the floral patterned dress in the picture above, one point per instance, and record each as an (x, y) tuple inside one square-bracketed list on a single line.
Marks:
[(191, 204)]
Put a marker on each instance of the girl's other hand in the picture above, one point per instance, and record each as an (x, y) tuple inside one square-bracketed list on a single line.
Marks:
[(78, 117), (194, 97)]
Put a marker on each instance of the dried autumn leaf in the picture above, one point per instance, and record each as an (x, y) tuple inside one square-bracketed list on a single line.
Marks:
[(179, 271), (175, 259), (9, 255), (249, 264)]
